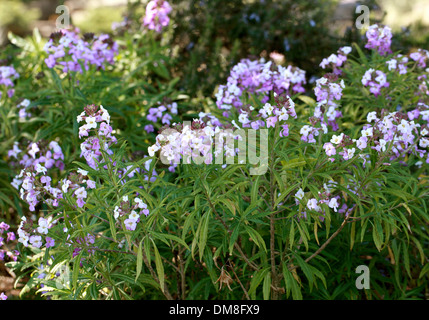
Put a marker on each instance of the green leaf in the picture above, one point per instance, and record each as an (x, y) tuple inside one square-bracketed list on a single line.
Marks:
[(266, 287), (139, 260), (291, 284), (203, 234), (159, 267), (256, 237), (257, 278)]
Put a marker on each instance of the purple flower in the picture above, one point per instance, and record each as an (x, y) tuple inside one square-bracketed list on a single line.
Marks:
[(379, 38), (157, 15), (271, 122), (10, 236), (50, 242), (149, 128), (130, 224), (329, 149)]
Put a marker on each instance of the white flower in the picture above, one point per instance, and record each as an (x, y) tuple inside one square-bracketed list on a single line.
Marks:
[(116, 212), (40, 168), (337, 139), (80, 117), (383, 144), (283, 115), (424, 143), (268, 108), (91, 122), (134, 215), (80, 193), (305, 130), (105, 116), (65, 186), (371, 116), (312, 205), (367, 132), (243, 118), (34, 150), (140, 203), (125, 198), (333, 203), (346, 49), (152, 149), (299, 194), (43, 226), (82, 172)]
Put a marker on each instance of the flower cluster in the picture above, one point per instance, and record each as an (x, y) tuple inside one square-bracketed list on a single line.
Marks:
[(129, 212), (420, 56), (34, 236), (259, 78), (33, 178), (328, 90), (80, 242), (398, 63), (392, 133), (163, 112), (156, 16), (336, 61), (192, 141), (78, 183), (96, 119), (269, 115), (10, 236), (315, 205), (7, 75), (379, 38), (67, 49), (23, 107), (375, 80)]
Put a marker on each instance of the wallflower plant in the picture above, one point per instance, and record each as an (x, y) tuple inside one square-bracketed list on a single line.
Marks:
[(272, 189)]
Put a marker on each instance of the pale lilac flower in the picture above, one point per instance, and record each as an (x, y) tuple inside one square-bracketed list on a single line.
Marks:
[(36, 241), (130, 224), (329, 149)]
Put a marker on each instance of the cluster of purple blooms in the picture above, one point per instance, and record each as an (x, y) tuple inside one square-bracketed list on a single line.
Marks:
[(325, 197), (379, 38), (375, 80), (399, 63), (96, 119), (23, 108), (269, 115), (420, 56), (328, 92), (67, 49), (163, 112), (34, 181), (129, 212), (192, 141), (156, 16), (31, 234), (394, 132), (336, 61), (7, 75), (10, 236), (80, 242), (259, 78)]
